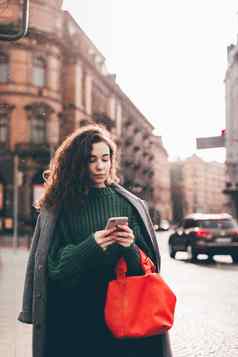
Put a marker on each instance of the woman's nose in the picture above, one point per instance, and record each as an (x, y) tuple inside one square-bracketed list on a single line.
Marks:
[(99, 164)]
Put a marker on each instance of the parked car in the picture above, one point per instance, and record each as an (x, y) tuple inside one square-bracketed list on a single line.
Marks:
[(164, 225), (211, 234)]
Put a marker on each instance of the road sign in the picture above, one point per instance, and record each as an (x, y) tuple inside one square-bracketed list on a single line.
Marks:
[(211, 142)]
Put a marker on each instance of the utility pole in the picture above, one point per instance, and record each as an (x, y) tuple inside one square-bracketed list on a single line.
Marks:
[(17, 180), (15, 202)]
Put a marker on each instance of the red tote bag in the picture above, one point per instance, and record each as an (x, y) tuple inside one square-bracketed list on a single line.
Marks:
[(139, 306)]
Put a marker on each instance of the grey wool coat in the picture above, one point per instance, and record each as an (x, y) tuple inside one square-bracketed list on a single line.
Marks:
[(35, 287)]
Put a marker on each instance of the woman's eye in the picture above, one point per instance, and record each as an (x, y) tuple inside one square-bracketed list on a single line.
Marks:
[(93, 160)]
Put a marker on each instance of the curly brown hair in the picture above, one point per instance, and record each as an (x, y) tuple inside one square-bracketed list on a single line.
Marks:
[(68, 174)]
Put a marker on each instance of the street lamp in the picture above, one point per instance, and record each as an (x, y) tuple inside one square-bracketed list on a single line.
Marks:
[(17, 177), (10, 36)]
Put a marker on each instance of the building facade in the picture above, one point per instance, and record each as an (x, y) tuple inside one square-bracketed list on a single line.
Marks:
[(231, 85), (161, 179), (197, 186), (51, 82)]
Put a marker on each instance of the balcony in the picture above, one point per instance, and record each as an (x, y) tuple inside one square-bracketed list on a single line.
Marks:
[(136, 148), (145, 154), (128, 123), (103, 119), (128, 163), (33, 150), (145, 136), (137, 166), (128, 142), (136, 130)]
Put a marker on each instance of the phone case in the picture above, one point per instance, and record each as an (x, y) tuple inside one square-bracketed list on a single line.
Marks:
[(114, 222)]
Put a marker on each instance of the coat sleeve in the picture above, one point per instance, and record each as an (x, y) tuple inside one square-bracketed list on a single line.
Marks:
[(26, 312)]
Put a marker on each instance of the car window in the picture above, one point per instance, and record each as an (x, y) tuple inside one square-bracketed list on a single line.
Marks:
[(180, 224), (217, 223), (189, 223)]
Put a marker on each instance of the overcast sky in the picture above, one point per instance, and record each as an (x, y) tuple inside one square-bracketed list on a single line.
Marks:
[(170, 58)]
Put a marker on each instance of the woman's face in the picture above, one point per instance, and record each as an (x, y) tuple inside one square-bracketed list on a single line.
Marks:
[(99, 164)]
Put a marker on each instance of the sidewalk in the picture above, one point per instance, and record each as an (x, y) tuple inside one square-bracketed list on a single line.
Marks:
[(15, 337)]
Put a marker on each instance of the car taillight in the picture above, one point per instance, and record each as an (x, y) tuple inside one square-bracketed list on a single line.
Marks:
[(203, 233), (234, 232)]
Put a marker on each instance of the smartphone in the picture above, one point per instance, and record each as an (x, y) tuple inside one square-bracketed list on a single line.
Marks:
[(114, 221)]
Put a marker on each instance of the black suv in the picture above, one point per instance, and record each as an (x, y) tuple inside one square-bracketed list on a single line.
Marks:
[(211, 234)]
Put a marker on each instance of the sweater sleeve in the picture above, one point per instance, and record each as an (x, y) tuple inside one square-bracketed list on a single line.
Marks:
[(68, 261)]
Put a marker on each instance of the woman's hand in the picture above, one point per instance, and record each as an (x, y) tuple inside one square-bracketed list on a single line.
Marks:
[(105, 238), (124, 235)]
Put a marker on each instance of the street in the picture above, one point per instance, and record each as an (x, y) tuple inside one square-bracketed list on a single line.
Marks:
[(206, 321)]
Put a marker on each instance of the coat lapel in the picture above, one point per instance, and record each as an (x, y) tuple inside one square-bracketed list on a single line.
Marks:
[(140, 207)]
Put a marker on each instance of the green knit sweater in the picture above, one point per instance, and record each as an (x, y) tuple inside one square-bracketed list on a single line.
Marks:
[(78, 274), (74, 250)]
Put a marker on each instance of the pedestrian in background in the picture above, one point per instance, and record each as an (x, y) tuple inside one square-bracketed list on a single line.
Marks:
[(73, 256)]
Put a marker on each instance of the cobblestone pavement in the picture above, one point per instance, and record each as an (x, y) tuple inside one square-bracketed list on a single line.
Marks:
[(206, 322), (15, 337)]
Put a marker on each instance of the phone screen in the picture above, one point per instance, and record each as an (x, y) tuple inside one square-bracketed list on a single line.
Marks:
[(114, 221)]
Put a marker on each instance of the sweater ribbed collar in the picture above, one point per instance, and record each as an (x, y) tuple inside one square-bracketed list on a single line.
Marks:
[(100, 191)]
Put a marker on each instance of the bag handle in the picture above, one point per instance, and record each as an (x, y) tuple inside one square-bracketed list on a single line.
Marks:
[(145, 262)]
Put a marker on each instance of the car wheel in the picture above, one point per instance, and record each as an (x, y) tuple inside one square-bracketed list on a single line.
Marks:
[(234, 258), (192, 256), (172, 252)]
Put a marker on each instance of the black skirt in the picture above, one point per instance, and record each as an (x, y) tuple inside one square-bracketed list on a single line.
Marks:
[(76, 327)]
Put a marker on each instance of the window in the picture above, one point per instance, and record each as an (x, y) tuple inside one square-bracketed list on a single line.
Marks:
[(39, 72), (4, 67), (189, 223), (3, 129), (38, 130), (5, 117), (38, 114), (217, 224)]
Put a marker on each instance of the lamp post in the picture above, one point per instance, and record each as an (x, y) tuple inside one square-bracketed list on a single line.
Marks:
[(17, 177), (23, 26)]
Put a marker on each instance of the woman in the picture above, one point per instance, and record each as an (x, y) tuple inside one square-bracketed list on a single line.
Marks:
[(73, 256)]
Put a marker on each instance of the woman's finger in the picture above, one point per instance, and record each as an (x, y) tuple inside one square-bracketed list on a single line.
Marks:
[(121, 234), (124, 241), (106, 244), (125, 228), (125, 244), (107, 239), (124, 235), (109, 231)]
